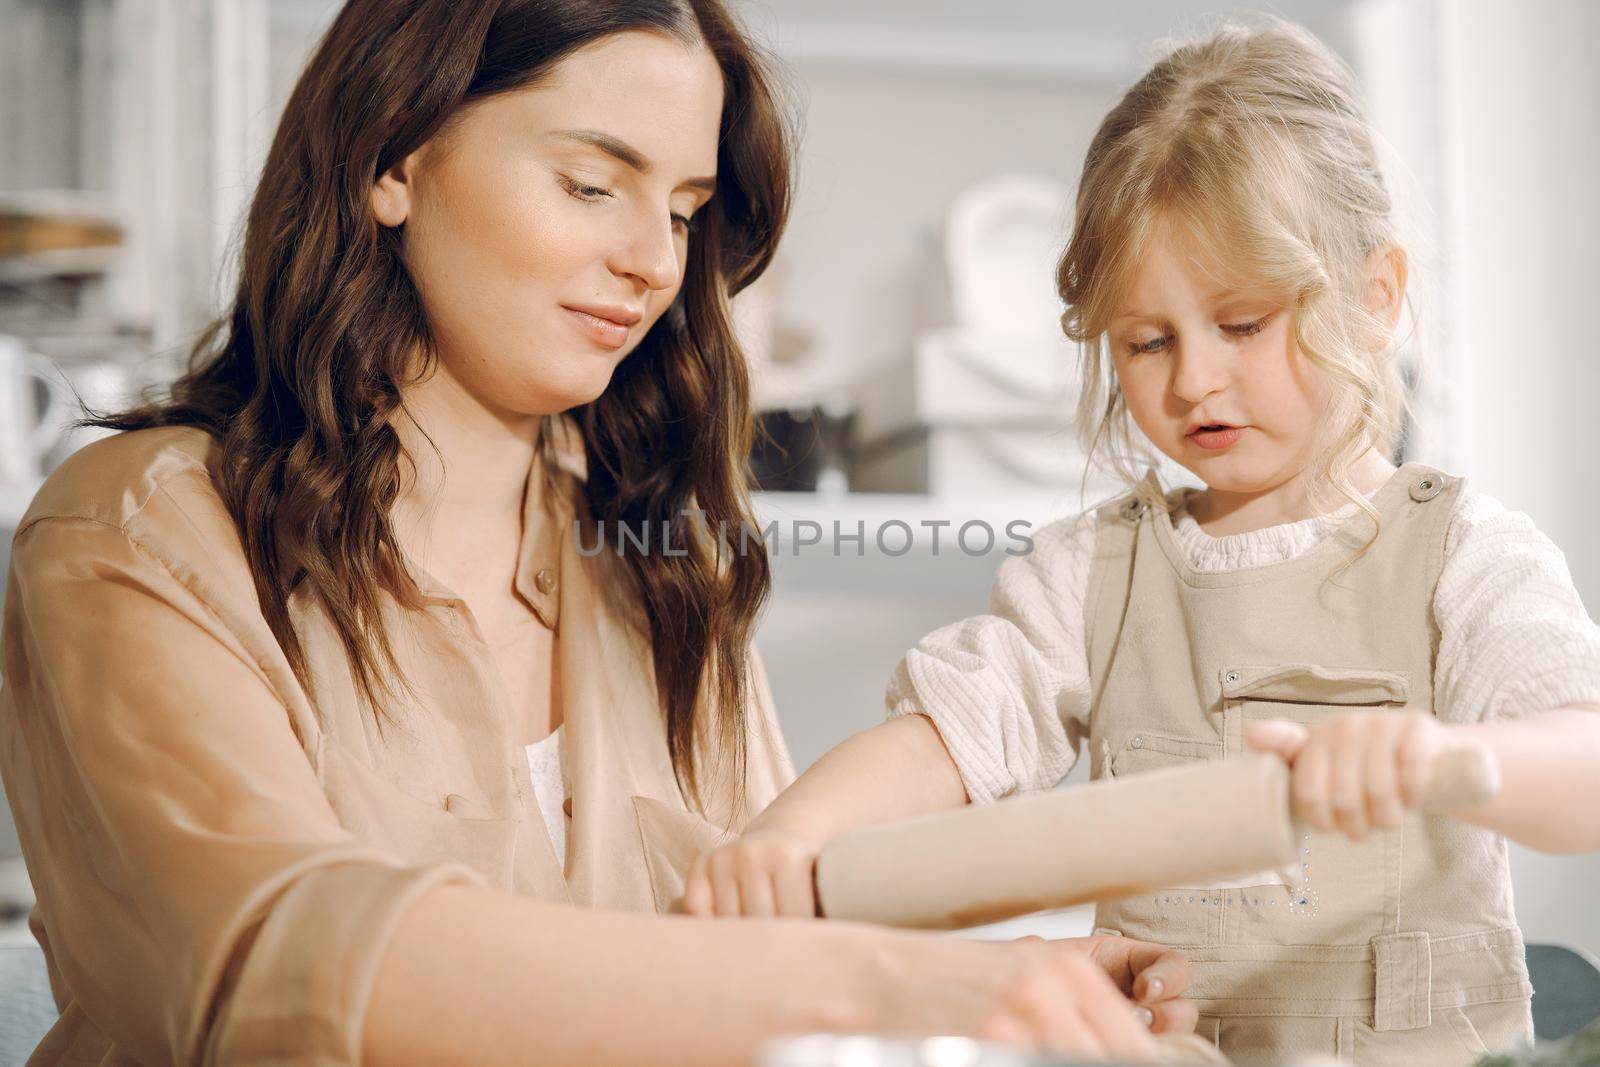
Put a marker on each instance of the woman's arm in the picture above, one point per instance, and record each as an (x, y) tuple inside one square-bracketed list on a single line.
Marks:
[(204, 904), (482, 979), (201, 901)]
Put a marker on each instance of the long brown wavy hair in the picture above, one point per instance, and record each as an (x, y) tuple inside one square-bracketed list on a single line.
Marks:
[(298, 380)]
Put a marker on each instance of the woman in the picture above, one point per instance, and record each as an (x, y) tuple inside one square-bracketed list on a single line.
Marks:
[(315, 718)]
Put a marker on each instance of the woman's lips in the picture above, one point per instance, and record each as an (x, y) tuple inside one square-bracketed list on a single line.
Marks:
[(601, 331), (1215, 440)]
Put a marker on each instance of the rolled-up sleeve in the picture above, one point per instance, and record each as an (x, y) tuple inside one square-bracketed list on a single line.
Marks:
[(1009, 689), (202, 902), (1514, 635)]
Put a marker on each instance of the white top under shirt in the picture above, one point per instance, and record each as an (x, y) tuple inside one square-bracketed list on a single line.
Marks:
[(547, 766), (1001, 687)]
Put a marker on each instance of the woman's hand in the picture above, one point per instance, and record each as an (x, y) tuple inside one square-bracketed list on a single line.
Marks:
[(1047, 996), (1359, 771), (764, 873), (1154, 977)]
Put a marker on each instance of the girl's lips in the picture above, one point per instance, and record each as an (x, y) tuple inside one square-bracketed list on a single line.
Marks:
[(601, 331), (1216, 440)]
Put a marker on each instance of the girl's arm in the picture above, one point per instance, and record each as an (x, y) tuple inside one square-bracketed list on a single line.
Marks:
[(1550, 778), (895, 770), (1515, 639), (479, 978), (985, 707), (1361, 771)]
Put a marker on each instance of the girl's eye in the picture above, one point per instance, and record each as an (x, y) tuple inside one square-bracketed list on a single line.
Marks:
[(587, 193), (1246, 329), (682, 222), (1137, 347)]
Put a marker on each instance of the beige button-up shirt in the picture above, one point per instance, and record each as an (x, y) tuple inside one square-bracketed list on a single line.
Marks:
[(219, 853)]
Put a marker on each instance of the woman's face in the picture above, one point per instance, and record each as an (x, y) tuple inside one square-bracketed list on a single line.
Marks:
[(546, 229), (1191, 349)]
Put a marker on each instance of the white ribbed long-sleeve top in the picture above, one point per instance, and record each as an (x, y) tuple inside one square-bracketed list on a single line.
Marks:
[(1004, 686)]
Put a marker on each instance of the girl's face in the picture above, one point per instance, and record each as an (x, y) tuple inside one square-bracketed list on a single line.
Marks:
[(546, 229), (1192, 350)]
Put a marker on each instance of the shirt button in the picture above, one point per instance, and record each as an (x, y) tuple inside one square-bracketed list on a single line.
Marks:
[(1137, 742), (545, 580)]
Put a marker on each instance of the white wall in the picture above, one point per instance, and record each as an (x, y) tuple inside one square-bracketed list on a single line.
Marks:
[(862, 270), (1522, 140), (1522, 147), (906, 102)]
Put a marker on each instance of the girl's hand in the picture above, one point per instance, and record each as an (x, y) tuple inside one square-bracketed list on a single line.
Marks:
[(1358, 771), (764, 873)]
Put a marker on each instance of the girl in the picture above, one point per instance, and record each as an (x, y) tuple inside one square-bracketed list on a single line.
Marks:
[(1236, 285), (321, 738)]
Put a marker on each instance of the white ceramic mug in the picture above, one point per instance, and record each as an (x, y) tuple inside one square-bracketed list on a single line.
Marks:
[(28, 431), (1003, 235)]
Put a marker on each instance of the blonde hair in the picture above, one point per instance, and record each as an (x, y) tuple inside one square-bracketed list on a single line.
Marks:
[(1254, 139)]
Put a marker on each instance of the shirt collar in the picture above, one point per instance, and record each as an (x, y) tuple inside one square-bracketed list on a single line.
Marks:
[(548, 510), (558, 471)]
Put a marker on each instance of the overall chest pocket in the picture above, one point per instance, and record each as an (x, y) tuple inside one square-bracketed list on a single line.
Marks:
[(1304, 693), (378, 811), (1313, 686), (1338, 890)]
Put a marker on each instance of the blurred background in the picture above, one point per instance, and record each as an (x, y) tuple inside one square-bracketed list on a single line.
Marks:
[(907, 361)]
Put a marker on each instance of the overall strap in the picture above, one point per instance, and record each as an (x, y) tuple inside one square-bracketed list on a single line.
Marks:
[(1105, 603)]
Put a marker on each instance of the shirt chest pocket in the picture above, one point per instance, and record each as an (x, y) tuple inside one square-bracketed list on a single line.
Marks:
[(672, 838), (379, 812), (1310, 683)]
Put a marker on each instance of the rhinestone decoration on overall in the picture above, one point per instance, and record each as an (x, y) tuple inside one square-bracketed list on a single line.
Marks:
[(1303, 899)]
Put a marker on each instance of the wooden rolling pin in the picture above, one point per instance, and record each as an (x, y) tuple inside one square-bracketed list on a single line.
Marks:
[(1108, 839)]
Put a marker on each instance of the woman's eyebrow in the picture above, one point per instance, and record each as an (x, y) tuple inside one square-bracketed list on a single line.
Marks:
[(626, 153)]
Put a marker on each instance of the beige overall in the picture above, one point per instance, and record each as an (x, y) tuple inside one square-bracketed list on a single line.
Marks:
[(1399, 949)]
